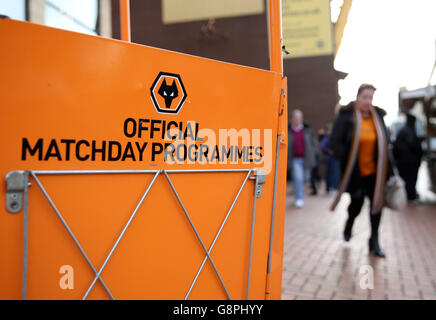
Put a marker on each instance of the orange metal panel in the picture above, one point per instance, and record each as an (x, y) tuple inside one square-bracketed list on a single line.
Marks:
[(275, 36), (76, 102), (125, 20)]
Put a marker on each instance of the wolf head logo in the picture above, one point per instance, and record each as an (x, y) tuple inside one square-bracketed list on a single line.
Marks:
[(168, 92)]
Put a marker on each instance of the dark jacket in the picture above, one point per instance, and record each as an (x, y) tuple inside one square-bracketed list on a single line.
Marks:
[(341, 140), (407, 146), (310, 148)]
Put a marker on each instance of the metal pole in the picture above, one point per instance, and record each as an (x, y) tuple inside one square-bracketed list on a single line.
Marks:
[(72, 172), (207, 170), (67, 172), (251, 240), (271, 239), (26, 233)]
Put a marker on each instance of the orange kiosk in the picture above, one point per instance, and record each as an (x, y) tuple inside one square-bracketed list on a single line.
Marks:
[(133, 172)]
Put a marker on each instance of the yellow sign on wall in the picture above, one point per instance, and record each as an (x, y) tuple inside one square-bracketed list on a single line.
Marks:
[(307, 29), (174, 11)]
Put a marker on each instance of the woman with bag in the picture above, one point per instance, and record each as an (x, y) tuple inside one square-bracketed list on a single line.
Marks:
[(359, 140)]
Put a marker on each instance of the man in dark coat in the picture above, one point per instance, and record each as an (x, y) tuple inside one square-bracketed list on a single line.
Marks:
[(408, 153)]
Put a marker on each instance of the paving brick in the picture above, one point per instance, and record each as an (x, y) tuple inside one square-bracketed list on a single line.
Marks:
[(288, 296), (411, 291), (325, 292), (332, 278), (310, 287), (394, 296), (321, 270), (377, 294), (304, 296), (428, 294), (291, 291), (298, 280)]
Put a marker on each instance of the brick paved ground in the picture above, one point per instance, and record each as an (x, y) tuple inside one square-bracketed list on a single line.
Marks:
[(318, 264)]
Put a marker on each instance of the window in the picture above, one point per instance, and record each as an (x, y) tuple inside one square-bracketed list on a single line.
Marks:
[(77, 15), (15, 9)]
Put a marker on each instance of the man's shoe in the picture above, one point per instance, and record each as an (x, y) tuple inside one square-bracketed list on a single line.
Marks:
[(299, 203)]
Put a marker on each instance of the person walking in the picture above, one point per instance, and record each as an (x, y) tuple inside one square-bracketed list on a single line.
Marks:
[(359, 139), (315, 175), (302, 153), (332, 175), (408, 152)]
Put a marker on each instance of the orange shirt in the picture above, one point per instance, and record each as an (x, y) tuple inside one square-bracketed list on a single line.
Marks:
[(368, 138)]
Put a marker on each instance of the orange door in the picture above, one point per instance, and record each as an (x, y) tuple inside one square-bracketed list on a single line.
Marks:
[(143, 166)]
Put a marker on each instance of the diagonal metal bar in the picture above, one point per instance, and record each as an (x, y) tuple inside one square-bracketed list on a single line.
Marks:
[(218, 234), (196, 234), (121, 235), (50, 201)]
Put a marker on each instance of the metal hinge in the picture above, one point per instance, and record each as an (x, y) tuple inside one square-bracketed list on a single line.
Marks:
[(260, 177), (283, 122), (16, 183)]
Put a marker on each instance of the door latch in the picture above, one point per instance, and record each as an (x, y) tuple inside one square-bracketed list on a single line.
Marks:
[(15, 185)]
